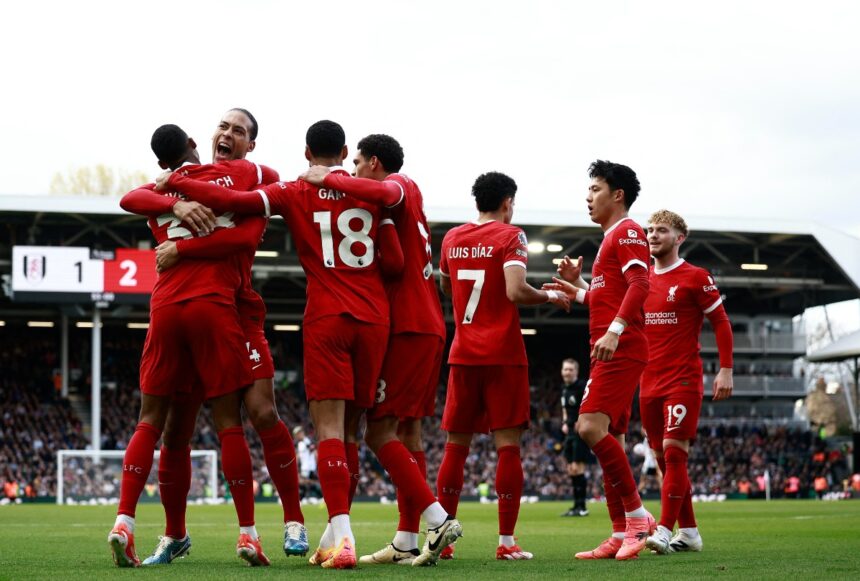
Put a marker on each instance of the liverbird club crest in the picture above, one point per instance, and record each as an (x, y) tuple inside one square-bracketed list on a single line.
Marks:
[(34, 268)]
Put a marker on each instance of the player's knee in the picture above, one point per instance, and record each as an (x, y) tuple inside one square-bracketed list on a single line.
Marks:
[(263, 417)]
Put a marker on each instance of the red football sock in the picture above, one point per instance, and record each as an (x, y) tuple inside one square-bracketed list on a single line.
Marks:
[(410, 517), (615, 508), (676, 486), (421, 458), (405, 475), (236, 464), (509, 488), (334, 476), (174, 482), (686, 516), (449, 481), (352, 463), (617, 472), (136, 465), (280, 458), (661, 462)]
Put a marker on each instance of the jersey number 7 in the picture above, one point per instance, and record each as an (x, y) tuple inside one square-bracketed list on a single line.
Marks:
[(475, 297)]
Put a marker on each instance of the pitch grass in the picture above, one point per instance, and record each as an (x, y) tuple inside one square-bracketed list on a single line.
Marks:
[(743, 540)]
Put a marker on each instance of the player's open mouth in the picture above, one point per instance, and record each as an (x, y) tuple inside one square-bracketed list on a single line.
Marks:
[(223, 149)]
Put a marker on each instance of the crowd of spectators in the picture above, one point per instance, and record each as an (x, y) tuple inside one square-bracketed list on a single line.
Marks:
[(35, 422)]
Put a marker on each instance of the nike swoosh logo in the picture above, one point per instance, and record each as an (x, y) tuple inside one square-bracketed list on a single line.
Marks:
[(257, 365), (434, 546), (288, 463), (397, 559), (672, 428)]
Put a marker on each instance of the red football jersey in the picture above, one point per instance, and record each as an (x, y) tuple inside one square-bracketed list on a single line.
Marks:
[(217, 280), (414, 300), (248, 301), (624, 246), (475, 256), (679, 298), (334, 236)]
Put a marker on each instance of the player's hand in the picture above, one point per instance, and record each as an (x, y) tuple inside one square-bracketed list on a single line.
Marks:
[(561, 300), (161, 180), (561, 285), (723, 384), (166, 255), (570, 270), (604, 348), (196, 215), (316, 174), (564, 428)]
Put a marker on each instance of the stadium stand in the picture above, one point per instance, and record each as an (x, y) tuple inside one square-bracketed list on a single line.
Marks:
[(754, 432)]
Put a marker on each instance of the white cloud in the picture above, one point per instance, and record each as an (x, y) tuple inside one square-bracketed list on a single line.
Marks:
[(736, 108)]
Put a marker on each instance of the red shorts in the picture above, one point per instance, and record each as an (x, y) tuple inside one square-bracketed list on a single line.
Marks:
[(610, 390), (343, 358), (484, 398), (259, 353), (410, 377), (674, 416), (194, 342)]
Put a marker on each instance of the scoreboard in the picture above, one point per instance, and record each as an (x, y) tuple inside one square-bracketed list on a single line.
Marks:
[(74, 274)]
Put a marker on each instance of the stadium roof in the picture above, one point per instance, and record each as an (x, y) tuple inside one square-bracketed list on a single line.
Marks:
[(847, 347), (807, 264)]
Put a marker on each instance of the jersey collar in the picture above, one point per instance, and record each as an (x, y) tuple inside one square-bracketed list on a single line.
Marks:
[(668, 268), (611, 228)]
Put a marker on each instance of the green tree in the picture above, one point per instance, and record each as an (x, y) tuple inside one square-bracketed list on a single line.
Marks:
[(98, 180)]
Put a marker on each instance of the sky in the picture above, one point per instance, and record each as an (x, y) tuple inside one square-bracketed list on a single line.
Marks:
[(730, 109)]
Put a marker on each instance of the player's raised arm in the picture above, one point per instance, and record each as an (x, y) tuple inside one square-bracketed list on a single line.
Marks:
[(144, 201), (245, 237), (385, 193), (218, 198), (268, 175)]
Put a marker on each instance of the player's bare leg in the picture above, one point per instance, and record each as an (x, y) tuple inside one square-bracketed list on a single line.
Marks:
[(395, 457), (238, 471), (329, 419), (280, 455), (594, 429), (136, 465)]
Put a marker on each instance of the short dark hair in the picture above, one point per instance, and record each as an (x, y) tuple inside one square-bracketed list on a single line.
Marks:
[(618, 177), (572, 361), (325, 138), (254, 126), (169, 143), (491, 189), (385, 148)]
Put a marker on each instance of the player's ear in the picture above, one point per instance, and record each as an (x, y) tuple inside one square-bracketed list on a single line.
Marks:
[(252, 145), (308, 155), (344, 153), (163, 165), (618, 195), (191, 143)]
